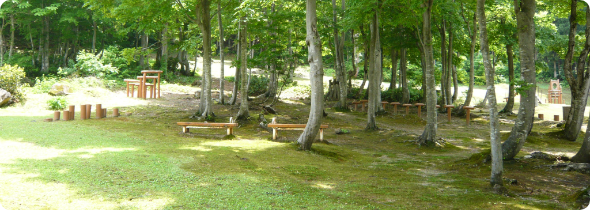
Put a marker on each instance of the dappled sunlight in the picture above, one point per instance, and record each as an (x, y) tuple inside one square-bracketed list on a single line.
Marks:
[(328, 186), (13, 150), (18, 192), (521, 206), (246, 144), (197, 148)]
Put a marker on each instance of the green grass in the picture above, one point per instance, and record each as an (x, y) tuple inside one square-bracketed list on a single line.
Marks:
[(144, 162)]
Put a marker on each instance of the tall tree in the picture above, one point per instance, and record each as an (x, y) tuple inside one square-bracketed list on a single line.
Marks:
[(578, 83), (204, 22), (428, 137), (497, 167), (472, 30), (243, 113), (374, 71), (316, 75), (221, 54), (339, 58), (525, 13)]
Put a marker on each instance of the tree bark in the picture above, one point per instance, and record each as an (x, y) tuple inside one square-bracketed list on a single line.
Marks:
[(525, 11), (374, 73), (510, 103), (94, 29), (164, 58), (221, 55), (449, 66), (316, 75), (204, 22), (45, 62), (243, 113), (578, 83), (497, 167), (392, 83), (403, 71), (473, 36), (366, 60), (428, 137), (341, 72), (12, 29)]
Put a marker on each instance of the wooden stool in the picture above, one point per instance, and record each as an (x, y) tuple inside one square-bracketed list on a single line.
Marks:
[(395, 106), (384, 104), (419, 105), (364, 103), (541, 116), (555, 118), (407, 108), (143, 88), (132, 83), (468, 109), (355, 104), (449, 107), (159, 72)]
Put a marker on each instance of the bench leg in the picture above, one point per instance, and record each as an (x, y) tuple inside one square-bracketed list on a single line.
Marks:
[(230, 131), (274, 134), (184, 129), (321, 134)]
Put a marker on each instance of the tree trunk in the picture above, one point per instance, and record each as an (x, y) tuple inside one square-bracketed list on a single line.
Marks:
[(374, 73), (204, 22), (497, 167), (510, 102), (354, 67), (221, 55), (579, 88), (164, 59), (316, 75), (449, 67), (237, 75), (525, 11), (45, 62), (94, 27), (403, 71), (366, 60), (473, 36), (12, 29), (428, 137), (392, 83), (339, 60), (443, 60), (243, 113), (142, 56)]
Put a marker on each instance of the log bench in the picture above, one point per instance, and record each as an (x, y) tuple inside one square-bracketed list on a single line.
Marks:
[(230, 126), (275, 126)]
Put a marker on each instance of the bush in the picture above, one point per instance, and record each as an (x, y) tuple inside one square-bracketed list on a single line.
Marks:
[(230, 78), (11, 80), (258, 85), (90, 64), (396, 95), (43, 84), (24, 61), (57, 103)]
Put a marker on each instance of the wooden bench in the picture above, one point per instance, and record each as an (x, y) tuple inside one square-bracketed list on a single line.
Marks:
[(230, 126), (275, 126)]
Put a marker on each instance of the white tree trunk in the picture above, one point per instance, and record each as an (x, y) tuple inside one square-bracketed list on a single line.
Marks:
[(497, 167), (316, 75)]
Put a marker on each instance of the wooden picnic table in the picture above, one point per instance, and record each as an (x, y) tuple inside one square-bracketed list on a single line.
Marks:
[(156, 80)]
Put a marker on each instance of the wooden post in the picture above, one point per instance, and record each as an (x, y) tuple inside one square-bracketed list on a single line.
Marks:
[(321, 134), (449, 107), (66, 115), (88, 111), (72, 112), (468, 109), (407, 108), (104, 113), (83, 111), (115, 112), (556, 117), (395, 106), (56, 115), (419, 105), (98, 111), (274, 133), (541, 116)]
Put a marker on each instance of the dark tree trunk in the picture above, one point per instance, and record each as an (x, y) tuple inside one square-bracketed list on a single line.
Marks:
[(428, 137), (525, 12), (392, 83), (374, 73), (404, 77), (510, 102)]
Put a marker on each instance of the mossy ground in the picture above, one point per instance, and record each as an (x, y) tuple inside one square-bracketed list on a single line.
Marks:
[(144, 161)]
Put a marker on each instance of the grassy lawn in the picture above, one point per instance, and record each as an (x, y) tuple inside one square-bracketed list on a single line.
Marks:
[(143, 161)]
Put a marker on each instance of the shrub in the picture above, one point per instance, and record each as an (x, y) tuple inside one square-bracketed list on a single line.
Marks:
[(89, 64), (43, 84), (230, 78), (396, 95), (258, 85), (11, 80), (57, 103), (24, 61)]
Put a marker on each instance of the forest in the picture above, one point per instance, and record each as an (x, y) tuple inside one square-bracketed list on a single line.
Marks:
[(241, 59)]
